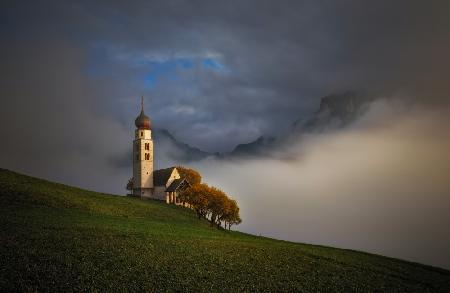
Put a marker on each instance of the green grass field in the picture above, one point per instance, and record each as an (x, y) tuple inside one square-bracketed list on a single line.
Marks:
[(59, 238)]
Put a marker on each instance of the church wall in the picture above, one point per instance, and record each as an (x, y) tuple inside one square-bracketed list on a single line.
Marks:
[(159, 193), (144, 192), (142, 134), (173, 176), (142, 163), (151, 193)]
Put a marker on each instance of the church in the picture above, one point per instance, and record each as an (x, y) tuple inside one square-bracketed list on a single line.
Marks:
[(162, 184)]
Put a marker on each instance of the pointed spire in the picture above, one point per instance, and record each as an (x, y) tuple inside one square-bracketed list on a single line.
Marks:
[(142, 121)]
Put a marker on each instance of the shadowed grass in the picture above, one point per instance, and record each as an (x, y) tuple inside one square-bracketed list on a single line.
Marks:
[(59, 238)]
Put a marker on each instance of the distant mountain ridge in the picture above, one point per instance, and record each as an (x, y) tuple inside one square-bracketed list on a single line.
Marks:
[(176, 149), (335, 111)]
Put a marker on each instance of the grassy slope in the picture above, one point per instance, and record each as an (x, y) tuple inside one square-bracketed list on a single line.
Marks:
[(56, 237)]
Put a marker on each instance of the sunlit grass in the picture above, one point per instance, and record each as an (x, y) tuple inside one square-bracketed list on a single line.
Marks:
[(59, 238)]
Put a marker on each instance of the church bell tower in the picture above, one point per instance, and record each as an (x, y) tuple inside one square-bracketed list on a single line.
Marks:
[(143, 156)]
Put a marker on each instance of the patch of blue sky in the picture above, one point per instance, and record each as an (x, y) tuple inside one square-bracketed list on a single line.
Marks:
[(214, 64), (150, 81), (185, 63), (169, 69), (166, 69), (163, 68)]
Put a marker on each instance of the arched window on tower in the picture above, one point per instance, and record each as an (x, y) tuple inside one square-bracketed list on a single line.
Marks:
[(147, 146)]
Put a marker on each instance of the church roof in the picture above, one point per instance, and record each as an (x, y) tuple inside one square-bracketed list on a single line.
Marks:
[(142, 121), (161, 176), (176, 184)]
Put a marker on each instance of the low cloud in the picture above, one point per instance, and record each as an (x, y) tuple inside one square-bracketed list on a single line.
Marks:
[(50, 128), (382, 185)]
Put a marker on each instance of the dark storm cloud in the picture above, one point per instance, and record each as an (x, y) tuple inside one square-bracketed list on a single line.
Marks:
[(281, 56)]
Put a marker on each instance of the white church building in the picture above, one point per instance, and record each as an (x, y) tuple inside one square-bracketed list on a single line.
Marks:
[(162, 184)]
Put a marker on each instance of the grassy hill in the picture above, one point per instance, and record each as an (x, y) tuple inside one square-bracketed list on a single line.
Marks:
[(60, 238)]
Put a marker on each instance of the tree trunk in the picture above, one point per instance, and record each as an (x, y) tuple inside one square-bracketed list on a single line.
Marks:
[(213, 220)]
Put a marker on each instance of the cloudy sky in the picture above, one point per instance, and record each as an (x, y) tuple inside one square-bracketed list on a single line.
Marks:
[(220, 73)]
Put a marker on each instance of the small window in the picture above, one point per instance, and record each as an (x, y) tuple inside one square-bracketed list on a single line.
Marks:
[(147, 146), (147, 156), (142, 133)]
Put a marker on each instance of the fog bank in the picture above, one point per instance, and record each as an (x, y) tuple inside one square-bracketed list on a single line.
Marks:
[(381, 185)]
